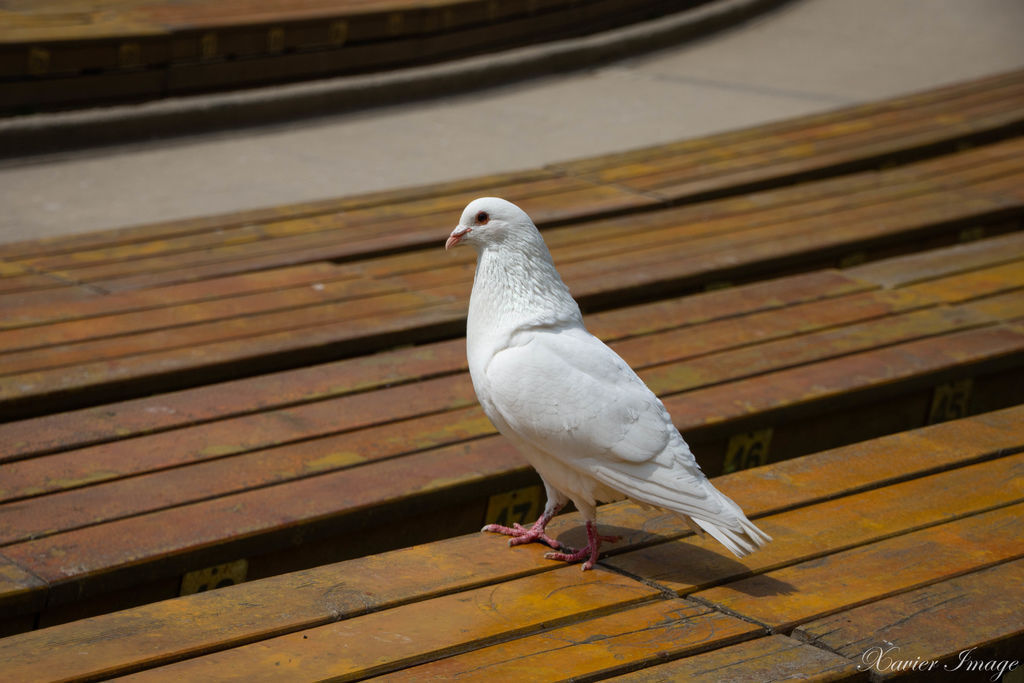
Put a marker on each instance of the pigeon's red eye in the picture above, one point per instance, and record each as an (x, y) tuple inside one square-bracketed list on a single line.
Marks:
[(482, 217)]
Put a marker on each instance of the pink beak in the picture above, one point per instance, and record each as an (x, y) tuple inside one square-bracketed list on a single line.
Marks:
[(456, 237)]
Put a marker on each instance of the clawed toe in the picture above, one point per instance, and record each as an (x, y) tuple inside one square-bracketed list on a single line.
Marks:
[(521, 535), (588, 555)]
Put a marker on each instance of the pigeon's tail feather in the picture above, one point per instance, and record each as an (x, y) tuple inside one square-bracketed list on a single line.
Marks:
[(696, 528), (743, 542), (731, 527)]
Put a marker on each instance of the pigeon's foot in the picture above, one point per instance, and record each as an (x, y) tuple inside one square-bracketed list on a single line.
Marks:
[(589, 553), (521, 534)]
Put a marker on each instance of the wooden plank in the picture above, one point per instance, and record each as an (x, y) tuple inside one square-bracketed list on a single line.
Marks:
[(856, 467), (827, 145), (347, 302), (541, 214), (593, 648), (786, 597), (539, 211), (65, 388), (613, 275), (818, 163), (303, 459), (183, 532), (910, 269), (798, 350), (840, 381), (40, 313), (358, 232), (349, 433), (111, 422), (743, 300), (29, 281), (823, 199), (405, 199), (182, 315), (774, 658), (948, 93), (304, 248), (974, 614), (976, 284), (68, 295), (403, 636), (166, 631), (701, 307), (294, 249), (382, 640), (22, 595), (1007, 306), (449, 401), (857, 520), (775, 247)]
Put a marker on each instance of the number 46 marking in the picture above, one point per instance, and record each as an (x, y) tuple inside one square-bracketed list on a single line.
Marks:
[(747, 450)]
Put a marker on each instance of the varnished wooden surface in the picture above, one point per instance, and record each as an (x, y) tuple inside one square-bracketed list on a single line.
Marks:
[(234, 397), (143, 491), (926, 520), (130, 317)]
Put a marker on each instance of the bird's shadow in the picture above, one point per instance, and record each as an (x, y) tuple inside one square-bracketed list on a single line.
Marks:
[(683, 565)]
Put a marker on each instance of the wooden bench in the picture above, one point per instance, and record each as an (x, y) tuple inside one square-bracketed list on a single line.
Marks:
[(200, 402), (912, 541), (112, 505), (60, 55), (109, 316)]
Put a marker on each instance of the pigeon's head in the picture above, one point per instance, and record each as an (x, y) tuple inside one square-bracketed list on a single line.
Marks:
[(491, 221)]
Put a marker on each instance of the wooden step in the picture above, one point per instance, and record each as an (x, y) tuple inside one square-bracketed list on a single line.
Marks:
[(844, 523), (162, 336), (751, 374), (63, 54)]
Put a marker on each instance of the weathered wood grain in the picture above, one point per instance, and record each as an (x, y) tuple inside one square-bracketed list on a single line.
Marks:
[(762, 660), (786, 597), (852, 521), (592, 648), (369, 372), (163, 632), (948, 626), (403, 636)]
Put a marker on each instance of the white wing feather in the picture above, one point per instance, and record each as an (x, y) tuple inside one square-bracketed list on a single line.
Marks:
[(571, 397)]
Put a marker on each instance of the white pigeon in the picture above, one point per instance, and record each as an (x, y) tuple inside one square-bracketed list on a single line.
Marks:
[(577, 412)]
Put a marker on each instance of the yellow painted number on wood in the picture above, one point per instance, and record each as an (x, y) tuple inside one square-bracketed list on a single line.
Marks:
[(38, 61), (747, 450), (395, 22), (208, 45), (522, 505), (971, 234), (853, 259), (338, 32), (214, 577), (275, 40), (950, 401), (129, 55)]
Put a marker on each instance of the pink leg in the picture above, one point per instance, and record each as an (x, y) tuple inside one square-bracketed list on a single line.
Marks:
[(521, 534), (589, 553)]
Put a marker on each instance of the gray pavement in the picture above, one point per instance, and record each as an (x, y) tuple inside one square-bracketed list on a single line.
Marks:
[(803, 57)]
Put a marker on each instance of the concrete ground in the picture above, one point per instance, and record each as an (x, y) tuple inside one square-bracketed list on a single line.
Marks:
[(805, 56)]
